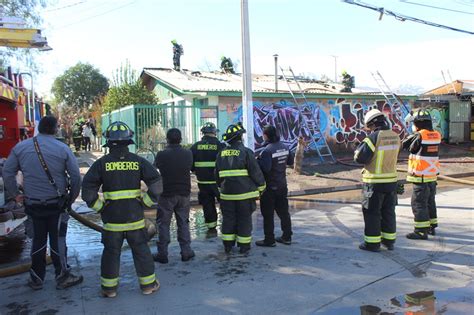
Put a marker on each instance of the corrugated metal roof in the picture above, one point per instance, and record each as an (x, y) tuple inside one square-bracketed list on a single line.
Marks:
[(202, 81), (455, 87)]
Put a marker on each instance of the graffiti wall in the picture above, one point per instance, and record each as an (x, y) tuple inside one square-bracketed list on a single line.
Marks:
[(339, 121)]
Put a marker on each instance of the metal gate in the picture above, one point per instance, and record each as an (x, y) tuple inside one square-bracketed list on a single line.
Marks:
[(459, 121)]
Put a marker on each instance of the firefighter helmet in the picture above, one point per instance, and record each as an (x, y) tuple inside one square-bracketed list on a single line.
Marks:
[(372, 116), (174, 42), (233, 131), (118, 133), (421, 115), (209, 127)]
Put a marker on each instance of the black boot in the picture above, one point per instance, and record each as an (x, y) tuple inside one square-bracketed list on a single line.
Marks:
[(432, 231), (388, 244), (416, 235), (265, 243), (370, 248), (244, 249)]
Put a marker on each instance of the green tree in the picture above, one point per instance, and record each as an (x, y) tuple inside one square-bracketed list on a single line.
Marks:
[(127, 89), (79, 86), (28, 11)]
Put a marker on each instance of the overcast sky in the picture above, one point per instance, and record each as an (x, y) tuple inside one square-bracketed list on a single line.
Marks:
[(305, 33)]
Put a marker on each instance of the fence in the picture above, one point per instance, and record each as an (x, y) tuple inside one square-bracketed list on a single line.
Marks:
[(150, 122)]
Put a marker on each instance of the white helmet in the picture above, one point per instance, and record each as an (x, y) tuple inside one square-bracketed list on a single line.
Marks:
[(371, 115)]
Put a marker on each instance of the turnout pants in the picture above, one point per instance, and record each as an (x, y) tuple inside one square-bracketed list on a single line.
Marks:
[(271, 201), (208, 195), (54, 226), (179, 205), (237, 221), (423, 205), (379, 216), (142, 259)]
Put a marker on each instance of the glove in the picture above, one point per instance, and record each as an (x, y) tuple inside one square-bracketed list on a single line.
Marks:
[(400, 189)]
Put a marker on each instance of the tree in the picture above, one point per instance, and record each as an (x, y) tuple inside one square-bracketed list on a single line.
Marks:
[(28, 11), (127, 89), (79, 86)]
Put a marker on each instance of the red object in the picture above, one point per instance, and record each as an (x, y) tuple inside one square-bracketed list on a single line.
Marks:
[(9, 127)]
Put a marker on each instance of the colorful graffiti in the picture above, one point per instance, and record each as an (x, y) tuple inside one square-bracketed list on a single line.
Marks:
[(439, 117)]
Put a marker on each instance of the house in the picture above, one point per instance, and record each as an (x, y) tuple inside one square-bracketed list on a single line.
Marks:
[(195, 97)]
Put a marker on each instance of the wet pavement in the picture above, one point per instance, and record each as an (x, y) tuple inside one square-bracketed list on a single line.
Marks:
[(321, 272)]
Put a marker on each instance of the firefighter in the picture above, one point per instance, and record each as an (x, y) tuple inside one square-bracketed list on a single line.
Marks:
[(240, 182), (423, 168), (227, 66), (177, 52), (204, 157), (378, 152), (273, 161), (119, 173)]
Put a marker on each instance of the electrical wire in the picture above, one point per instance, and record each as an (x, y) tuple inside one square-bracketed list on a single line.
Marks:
[(403, 18), (65, 7), (435, 7)]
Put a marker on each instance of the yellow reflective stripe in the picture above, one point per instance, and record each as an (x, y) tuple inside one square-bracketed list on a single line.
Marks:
[(369, 144), (147, 200), (109, 282), (379, 180), (249, 195), (379, 162), (122, 227), (205, 164), (211, 225), (206, 182), (98, 204), (389, 236), (244, 239), (418, 301), (422, 224), (383, 175), (228, 237), (434, 221), (424, 179), (372, 239), (147, 280), (122, 194), (231, 173), (262, 188)]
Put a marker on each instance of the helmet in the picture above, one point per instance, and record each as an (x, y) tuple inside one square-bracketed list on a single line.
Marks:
[(118, 132), (174, 42), (209, 128), (233, 131), (421, 115), (372, 116), (223, 58)]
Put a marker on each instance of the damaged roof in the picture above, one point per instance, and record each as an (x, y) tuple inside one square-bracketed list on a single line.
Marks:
[(187, 81)]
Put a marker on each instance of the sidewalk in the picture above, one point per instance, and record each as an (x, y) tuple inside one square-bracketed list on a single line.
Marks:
[(322, 271)]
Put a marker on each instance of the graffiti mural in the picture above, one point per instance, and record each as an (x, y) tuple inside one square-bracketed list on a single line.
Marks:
[(439, 117)]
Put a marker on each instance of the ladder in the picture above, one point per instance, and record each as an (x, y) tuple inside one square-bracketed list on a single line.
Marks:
[(318, 140), (391, 97)]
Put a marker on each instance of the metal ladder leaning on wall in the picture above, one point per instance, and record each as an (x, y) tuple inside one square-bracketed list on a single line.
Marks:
[(317, 138), (391, 97)]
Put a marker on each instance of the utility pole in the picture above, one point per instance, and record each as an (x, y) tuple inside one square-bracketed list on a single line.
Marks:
[(276, 72), (335, 68), (247, 102)]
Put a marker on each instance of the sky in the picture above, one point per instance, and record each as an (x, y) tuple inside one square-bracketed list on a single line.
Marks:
[(304, 33)]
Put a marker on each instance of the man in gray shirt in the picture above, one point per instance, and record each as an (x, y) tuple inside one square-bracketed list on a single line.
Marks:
[(42, 199)]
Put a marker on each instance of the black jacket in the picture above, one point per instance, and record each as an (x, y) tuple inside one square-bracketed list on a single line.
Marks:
[(273, 161), (204, 155), (238, 175), (175, 164), (412, 143), (120, 174)]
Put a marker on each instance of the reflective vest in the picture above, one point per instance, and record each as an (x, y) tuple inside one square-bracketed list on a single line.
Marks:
[(383, 166), (423, 167)]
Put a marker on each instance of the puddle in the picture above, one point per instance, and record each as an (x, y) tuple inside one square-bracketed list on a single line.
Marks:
[(457, 301)]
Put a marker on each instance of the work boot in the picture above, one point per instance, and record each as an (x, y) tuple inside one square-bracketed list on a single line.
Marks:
[(35, 284), (162, 259), (67, 280), (244, 249), (211, 233), (284, 240), (151, 288), (265, 243), (109, 293), (188, 256), (228, 248), (432, 231), (388, 244), (370, 248), (417, 235)]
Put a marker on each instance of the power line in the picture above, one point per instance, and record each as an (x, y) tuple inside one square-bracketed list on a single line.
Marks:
[(435, 7), (65, 7), (402, 17)]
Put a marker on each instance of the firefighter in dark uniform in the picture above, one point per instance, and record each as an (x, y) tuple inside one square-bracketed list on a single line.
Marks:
[(273, 161), (204, 157), (240, 182), (379, 152), (119, 173), (423, 168)]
